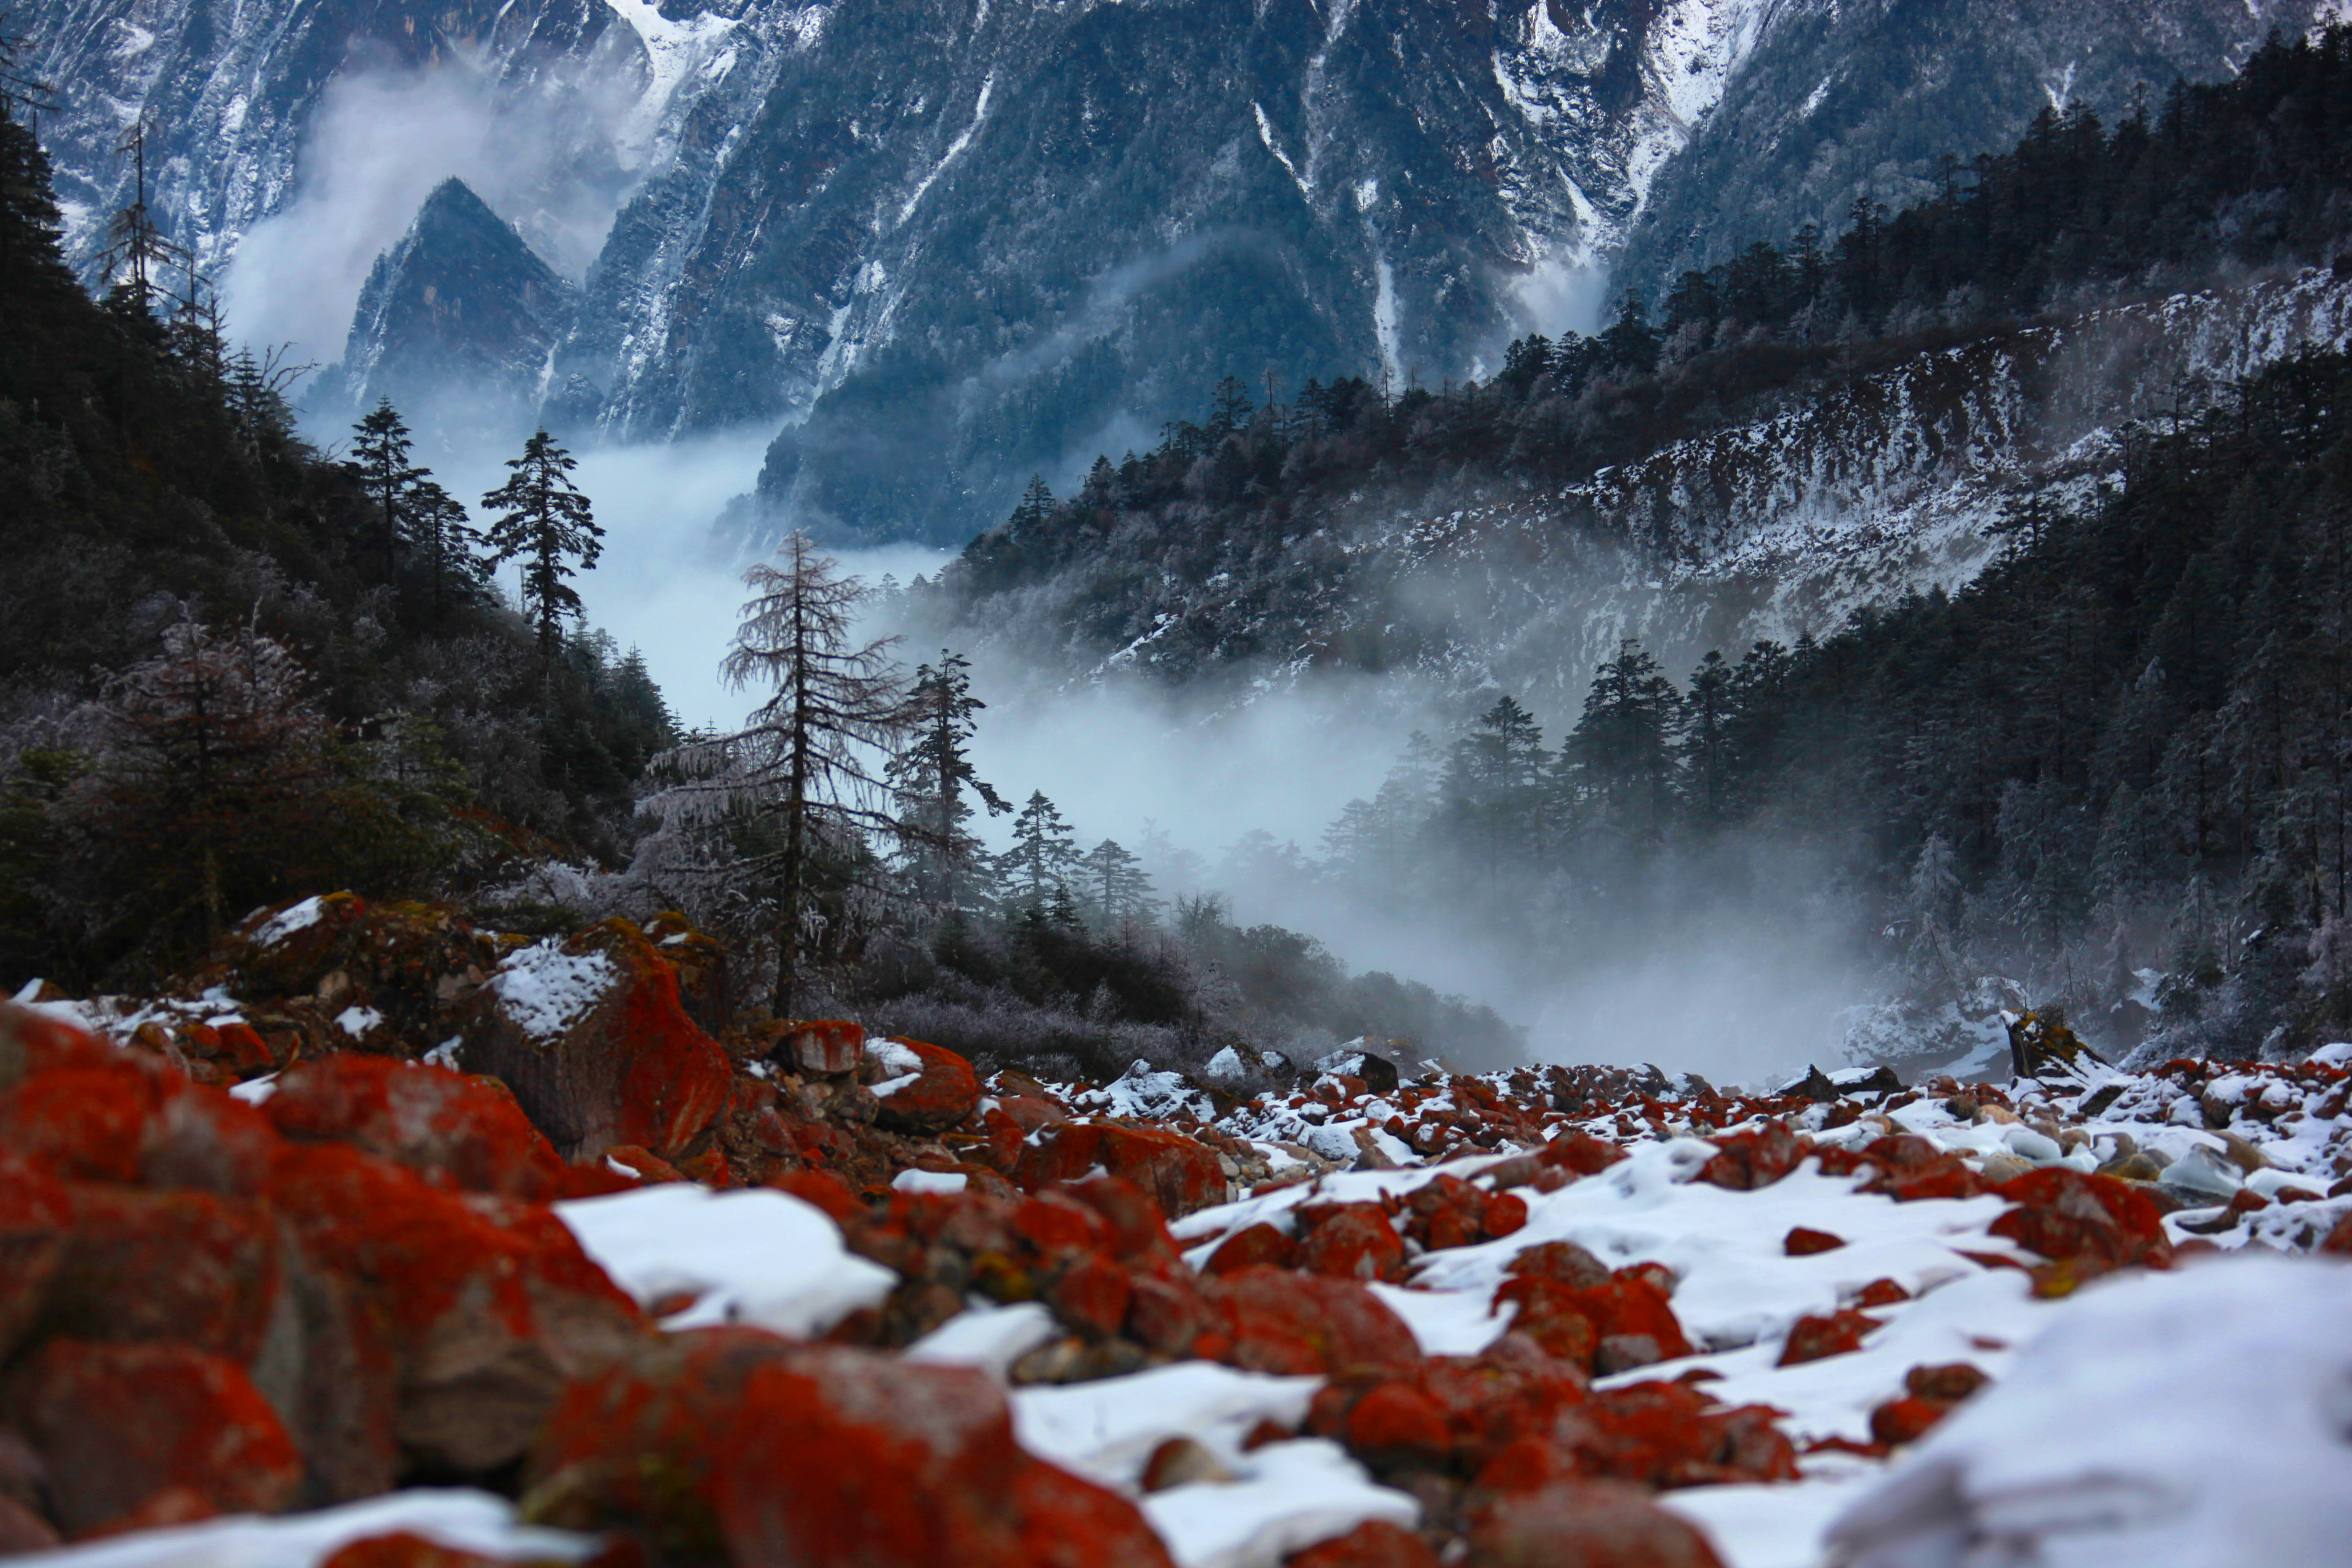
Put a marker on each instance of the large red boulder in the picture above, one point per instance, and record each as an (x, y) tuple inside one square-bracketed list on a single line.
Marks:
[(927, 1089), (145, 1434), (1278, 1321), (1181, 1175), (591, 1036), (195, 1268), (1622, 1322), (485, 1307), (1375, 1544), (1746, 1161), (90, 1113), (1592, 1524), (732, 1445), (1348, 1241), (1449, 1413), (466, 1132), (2090, 1224), (35, 1210)]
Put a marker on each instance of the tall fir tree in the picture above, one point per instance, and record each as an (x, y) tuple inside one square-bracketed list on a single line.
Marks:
[(381, 448), (935, 786), (540, 515)]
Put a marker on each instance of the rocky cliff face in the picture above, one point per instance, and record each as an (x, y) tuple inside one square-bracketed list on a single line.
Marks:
[(461, 308), (948, 243), (1866, 99)]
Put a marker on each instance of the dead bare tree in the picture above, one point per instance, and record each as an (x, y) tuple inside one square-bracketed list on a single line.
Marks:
[(804, 774)]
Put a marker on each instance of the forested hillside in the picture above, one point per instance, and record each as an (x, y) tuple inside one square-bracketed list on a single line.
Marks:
[(232, 668), (2108, 754)]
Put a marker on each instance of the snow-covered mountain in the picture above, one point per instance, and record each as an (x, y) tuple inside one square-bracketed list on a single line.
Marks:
[(962, 241), (1776, 525)]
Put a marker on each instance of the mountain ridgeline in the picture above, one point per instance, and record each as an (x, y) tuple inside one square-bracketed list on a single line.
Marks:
[(2106, 752), (945, 244)]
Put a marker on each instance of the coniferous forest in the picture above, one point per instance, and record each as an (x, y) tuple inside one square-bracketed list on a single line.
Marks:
[(2108, 770)]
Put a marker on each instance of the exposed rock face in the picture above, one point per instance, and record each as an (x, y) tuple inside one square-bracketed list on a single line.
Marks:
[(963, 243), (461, 315), (591, 1036), (833, 1458)]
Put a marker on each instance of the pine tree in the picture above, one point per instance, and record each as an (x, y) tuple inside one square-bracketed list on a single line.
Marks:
[(795, 781), (541, 516), (437, 527), (1493, 790), (381, 446), (215, 758), (1043, 856), (1620, 756), (1117, 887), (934, 782), (1706, 743)]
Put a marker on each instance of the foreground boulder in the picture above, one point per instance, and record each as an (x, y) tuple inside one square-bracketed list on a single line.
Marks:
[(135, 1435), (1180, 1175), (731, 1443), (593, 1039)]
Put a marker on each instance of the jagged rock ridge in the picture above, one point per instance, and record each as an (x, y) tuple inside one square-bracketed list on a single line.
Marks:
[(461, 311)]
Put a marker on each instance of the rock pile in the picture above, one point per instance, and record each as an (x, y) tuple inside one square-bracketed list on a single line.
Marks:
[(366, 1209)]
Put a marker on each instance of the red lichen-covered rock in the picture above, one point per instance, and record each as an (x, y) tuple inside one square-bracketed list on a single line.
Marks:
[(194, 1267), (405, 1548), (1091, 1295), (1905, 1420), (485, 1307), (1507, 1214), (1180, 1175), (1911, 1168), (1350, 1241), (1277, 1321), (1562, 1262), (1592, 1524), (1746, 1161), (937, 1090), (2338, 1241), (1626, 1321), (1375, 1544), (1398, 1424), (1881, 1293), (1948, 1383), (824, 1047), (592, 1038), (1672, 1435), (1449, 1413), (2094, 1223), (733, 1445), (1446, 1211), (35, 1210), (466, 1132), (1581, 1152), (826, 1190), (1801, 1242), (139, 1434), (1828, 1334), (1252, 1246), (99, 1114)]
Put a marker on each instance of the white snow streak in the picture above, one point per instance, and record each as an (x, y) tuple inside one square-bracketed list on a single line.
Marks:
[(955, 149)]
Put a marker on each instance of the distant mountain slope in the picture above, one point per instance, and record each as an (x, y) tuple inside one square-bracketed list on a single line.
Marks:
[(965, 241), (1866, 99), (460, 309)]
